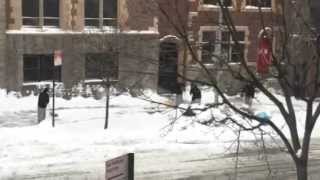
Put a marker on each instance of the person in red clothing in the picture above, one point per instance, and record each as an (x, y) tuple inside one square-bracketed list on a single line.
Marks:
[(43, 101)]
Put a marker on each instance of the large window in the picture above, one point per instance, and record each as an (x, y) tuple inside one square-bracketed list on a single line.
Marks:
[(259, 3), (208, 46), (99, 13), (215, 2), (101, 66), (229, 50), (40, 68), (40, 12), (226, 49)]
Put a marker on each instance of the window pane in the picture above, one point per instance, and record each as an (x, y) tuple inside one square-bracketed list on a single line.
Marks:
[(31, 68), (225, 51), (208, 36), (30, 8), (30, 62), (215, 2), (266, 3), (46, 67), (207, 52), (208, 47), (227, 2), (39, 68), (51, 22), (30, 12), (263, 3), (225, 36), (30, 75), (51, 12), (92, 22), (236, 53), (30, 21), (110, 8), (92, 9), (210, 2), (240, 35), (51, 8), (110, 22)]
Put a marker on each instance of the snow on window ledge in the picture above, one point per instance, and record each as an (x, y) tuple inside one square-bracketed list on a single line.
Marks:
[(55, 30), (37, 83), (37, 30), (256, 9), (211, 7), (104, 29)]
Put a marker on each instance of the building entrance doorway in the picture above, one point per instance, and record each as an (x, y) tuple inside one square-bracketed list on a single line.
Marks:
[(168, 68)]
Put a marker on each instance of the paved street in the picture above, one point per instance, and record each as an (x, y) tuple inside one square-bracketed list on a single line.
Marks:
[(202, 166), (190, 164)]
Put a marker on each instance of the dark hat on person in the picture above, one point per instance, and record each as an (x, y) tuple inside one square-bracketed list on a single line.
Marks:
[(46, 89)]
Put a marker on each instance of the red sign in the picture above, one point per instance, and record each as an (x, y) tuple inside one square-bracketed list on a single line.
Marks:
[(264, 55), (57, 58)]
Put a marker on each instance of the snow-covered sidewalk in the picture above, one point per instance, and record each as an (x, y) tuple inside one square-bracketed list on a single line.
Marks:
[(79, 139)]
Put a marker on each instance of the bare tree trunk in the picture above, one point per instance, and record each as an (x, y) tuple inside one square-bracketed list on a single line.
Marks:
[(302, 170)]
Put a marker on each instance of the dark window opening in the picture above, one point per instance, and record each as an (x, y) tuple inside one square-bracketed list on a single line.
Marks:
[(101, 66), (40, 68), (30, 12), (215, 2), (40, 12), (259, 3), (51, 12), (100, 13), (110, 11), (92, 12)]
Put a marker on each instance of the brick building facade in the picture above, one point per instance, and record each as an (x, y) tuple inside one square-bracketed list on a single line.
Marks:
[(123, 33), (138, 38)]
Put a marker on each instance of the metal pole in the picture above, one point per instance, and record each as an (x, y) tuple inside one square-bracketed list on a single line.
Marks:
[(107, 103), (53, 98)]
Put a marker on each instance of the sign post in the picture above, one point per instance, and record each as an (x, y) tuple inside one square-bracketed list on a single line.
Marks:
[(120, 168), (57, 62)]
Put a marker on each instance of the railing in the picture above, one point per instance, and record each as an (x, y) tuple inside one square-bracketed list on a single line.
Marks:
[(40, 21)]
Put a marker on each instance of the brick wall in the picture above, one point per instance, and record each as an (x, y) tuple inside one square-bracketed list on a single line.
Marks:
[(177, 11), (241, 17)]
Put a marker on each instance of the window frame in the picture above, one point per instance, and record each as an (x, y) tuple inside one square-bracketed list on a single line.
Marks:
[(217, 29), (41, 18), (230, 42), (101, 19), (252, 8)]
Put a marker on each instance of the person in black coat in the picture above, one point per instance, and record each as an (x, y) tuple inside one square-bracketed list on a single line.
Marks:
[(195, 93), (43, 101), (248, 91)]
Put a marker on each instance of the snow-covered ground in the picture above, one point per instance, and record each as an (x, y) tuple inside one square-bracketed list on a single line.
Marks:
[(135, 126)]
